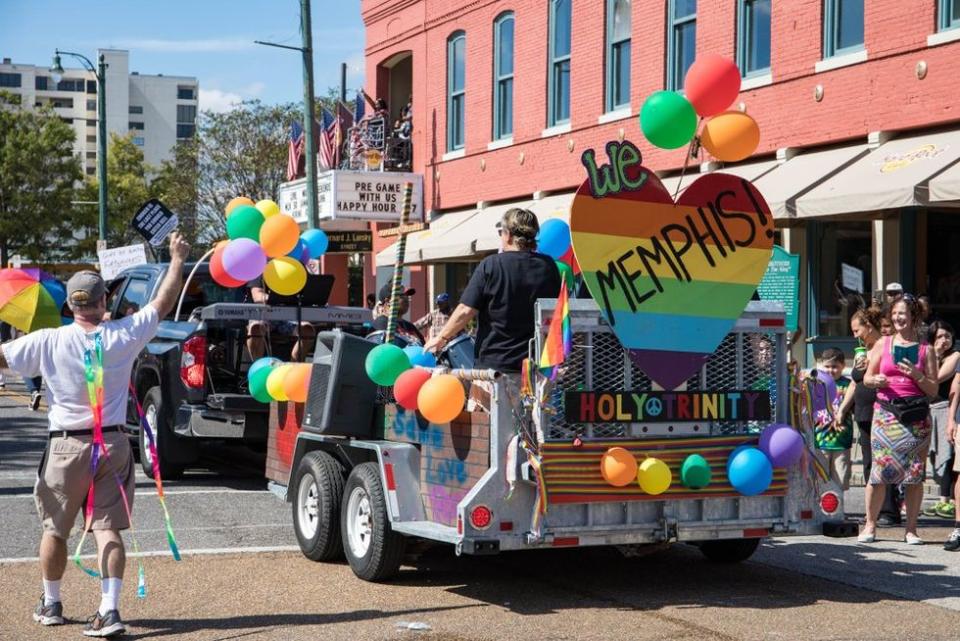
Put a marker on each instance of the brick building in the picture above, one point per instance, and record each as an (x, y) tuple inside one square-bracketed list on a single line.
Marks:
[(856, 103)]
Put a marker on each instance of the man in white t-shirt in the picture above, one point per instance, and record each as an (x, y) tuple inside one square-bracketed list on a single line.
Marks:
[(65, 473)]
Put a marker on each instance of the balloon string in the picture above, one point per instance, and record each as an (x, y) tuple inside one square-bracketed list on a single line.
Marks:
[(692, 150)]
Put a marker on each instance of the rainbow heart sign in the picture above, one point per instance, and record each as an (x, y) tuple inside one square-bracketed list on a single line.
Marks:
[(671, 278)]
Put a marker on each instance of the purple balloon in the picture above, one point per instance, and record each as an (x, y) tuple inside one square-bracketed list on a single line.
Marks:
[(305, 255), (823, 393), (243, 259), (782, 444)]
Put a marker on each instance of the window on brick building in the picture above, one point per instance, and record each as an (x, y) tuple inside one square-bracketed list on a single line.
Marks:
[(681, 40), (456, 89), (949, 14), (753, 37), (558, 81), (618, 54), (842, 27), (503, 76)]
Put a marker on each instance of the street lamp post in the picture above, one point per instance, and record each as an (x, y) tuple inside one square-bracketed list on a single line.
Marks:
[(100, 73)]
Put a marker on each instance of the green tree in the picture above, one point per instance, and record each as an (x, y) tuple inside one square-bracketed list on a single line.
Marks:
[(127, 190), (175, 185), (37, 175)]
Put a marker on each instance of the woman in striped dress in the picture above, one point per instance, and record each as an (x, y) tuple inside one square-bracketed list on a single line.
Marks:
[(899, 448)]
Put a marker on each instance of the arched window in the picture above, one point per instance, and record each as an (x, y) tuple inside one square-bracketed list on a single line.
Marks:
[(503, 76), (558, 80), (456, 89)]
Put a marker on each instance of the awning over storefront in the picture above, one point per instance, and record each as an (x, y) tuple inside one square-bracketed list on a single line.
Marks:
[(781, 187), (419, 241), (751, 171), (484, 224), (946, 187), (895, 174), (455, 243)]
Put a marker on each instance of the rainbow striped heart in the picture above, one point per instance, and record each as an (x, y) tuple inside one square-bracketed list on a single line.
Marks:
[(672, 278)]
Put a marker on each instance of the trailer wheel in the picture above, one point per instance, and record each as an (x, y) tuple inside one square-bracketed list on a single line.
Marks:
[(373, 549), (318, 487), (159, 422), (729, 550)]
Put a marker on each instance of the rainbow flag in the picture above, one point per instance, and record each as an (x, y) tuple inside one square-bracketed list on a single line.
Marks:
[(560, 337)]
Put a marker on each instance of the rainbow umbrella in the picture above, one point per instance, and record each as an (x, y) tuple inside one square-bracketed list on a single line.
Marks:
[(30, 299)]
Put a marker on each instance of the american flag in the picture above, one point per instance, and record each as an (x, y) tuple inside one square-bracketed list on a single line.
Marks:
[(328, 153), (295, 151)]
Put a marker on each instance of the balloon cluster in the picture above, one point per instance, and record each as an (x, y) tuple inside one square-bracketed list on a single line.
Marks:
[(264, 242), (619, 468), (750, 469), (555, 241), (270, 379), (669, 119), (439, 398)]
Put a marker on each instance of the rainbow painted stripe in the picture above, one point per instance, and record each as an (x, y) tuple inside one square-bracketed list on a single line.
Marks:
[(572, 474)]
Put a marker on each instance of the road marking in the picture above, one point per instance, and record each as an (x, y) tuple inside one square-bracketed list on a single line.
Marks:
[(29, 493), (204, 528), (197, 552)]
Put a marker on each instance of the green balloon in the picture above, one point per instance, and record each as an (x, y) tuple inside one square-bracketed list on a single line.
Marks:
[(385, 363), (566, 272), (668, 120), (695, 472), (258, 384), (245, 222)]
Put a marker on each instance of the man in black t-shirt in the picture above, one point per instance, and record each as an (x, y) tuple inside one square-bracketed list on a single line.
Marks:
[(501, 293)]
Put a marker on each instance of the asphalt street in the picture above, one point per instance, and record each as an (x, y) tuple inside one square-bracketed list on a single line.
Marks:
[(242, 576)]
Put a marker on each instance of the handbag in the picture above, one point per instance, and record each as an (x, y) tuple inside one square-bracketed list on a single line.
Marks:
[(909, 409)]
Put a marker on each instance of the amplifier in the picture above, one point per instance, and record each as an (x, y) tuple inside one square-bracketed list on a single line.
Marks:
[(342, 398)]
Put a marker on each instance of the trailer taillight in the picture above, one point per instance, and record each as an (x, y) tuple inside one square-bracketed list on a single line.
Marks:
[(829, 502), (193, 362), (481, 517)]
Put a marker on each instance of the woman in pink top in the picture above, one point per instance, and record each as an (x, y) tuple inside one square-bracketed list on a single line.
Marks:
[(899, 449)]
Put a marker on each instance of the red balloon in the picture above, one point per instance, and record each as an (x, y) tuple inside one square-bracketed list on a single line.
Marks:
[(712, 84), (407, 386), (218, 273)]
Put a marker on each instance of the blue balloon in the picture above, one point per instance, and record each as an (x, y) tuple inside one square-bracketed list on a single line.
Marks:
[(260, 363), (554, 238), (734, 453), (419, 357), (316, 241), (298, 249), (750, 471)]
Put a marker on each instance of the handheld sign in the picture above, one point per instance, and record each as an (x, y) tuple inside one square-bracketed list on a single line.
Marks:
[(154, 221), (115, 260), (671, 278)]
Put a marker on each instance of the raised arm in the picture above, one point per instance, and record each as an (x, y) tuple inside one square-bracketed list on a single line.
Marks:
[(166, 296)]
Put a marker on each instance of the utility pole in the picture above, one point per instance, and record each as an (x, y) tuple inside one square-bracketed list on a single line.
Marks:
[(308, 109), (343, 82)]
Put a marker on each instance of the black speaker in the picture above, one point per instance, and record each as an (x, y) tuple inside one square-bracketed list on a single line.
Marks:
[(342, 398)]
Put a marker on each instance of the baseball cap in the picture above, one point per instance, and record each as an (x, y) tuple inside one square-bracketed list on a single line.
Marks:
[(387, 290), (85, 288), (894, 287), (443, 298)]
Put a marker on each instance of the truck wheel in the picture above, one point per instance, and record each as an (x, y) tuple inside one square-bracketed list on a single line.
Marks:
[(729, 550), (374, 551), (159, 423), (318, 487)]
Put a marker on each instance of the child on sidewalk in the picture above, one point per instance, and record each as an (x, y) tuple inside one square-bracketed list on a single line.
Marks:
[(834, 434)]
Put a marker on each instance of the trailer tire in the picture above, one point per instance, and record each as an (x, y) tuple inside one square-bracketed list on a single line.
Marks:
[(318, 492), (729, 550), (159, 421), (373, 550)]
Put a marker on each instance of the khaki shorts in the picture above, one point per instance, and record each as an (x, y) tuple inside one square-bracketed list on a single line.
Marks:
[(64, 480)]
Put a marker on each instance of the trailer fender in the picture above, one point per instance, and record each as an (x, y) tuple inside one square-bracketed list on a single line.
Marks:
[(400, 474)]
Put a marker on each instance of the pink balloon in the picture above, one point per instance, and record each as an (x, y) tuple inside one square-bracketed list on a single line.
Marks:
[(243, 259)]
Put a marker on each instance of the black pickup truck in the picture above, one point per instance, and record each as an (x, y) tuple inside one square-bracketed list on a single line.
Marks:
[(191, 378)]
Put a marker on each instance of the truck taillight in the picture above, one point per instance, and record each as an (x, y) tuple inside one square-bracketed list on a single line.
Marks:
[(193, 362), (829, 502), (481, 517)]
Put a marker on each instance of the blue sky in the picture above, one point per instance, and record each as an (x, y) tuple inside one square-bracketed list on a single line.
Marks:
[(209, 39)]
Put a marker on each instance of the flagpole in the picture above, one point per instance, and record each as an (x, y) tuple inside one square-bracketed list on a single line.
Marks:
[(310, 144)]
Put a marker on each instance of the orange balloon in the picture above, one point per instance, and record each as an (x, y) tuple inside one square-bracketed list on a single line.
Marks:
[(279, 235), (236, 202), (296, 384), (731, 136), (441, 398), (618, 467)]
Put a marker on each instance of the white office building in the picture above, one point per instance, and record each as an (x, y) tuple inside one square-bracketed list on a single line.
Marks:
[(159, 110)]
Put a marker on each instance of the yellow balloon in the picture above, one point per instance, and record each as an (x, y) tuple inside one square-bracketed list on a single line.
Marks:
[(275, 382), (268, 208), (285, 275), (654, 476)]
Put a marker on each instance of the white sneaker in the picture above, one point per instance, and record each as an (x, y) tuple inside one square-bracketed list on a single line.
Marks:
[(912, 539), (867, 537)]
